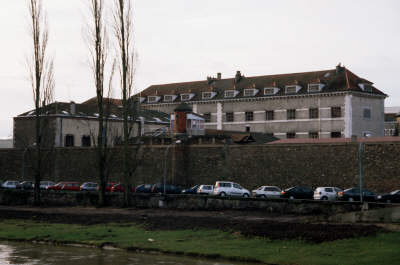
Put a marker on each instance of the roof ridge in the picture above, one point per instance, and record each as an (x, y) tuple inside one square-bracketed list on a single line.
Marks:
[(232, 78)]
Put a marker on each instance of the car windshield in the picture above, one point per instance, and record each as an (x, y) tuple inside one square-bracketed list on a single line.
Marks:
[(395, 192)]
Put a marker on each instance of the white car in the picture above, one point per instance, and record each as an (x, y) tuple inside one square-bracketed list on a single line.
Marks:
[(326, 193), (44, 185), (9, 184), (205, 189), (227, 188), (267, 192)]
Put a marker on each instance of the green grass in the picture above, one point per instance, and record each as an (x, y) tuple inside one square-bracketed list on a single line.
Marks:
[(381, 249)]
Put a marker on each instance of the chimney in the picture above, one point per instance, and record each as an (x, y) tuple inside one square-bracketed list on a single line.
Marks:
[(339, 68), (218, 76), (238, 76), (72, 108)]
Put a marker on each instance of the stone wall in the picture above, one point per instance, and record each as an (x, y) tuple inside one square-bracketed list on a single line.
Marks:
[(311, 165)]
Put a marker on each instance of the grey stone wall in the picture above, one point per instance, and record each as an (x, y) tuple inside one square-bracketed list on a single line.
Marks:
[(311, 165)]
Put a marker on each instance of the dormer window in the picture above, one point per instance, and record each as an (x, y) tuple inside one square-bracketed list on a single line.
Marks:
[(365, 87), (208, 95), (293, 89), (270, 90), (250, 92), (231, 93), (169, 98), (187, 96), (315, 87), (153, 99)]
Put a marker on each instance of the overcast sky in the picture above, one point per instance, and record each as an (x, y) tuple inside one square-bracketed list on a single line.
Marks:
[(182, 40)]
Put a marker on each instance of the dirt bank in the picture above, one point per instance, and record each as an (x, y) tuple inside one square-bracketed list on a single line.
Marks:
[(253, 223)]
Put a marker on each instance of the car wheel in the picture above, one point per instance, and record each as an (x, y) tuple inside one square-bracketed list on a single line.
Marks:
[(222, 194), (324, 198), (245, 195), (351, 199), (291, 197)]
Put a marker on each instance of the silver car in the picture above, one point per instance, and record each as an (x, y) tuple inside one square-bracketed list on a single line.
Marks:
[(326, 193), (267, 192), (10, 184), (227, 188)]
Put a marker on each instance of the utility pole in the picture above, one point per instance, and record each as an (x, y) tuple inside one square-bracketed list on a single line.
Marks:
[(360, 165)]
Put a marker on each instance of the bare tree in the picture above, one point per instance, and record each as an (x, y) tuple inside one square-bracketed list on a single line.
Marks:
[(123, 30), (41, 73), (97, 41)]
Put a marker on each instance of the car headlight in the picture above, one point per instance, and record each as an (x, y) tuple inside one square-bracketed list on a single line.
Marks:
[(379, 197)]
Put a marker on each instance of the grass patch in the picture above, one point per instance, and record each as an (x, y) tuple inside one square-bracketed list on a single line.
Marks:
[(380, 249)]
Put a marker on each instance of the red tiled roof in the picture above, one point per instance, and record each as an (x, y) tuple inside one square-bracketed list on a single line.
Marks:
[(340, 79)]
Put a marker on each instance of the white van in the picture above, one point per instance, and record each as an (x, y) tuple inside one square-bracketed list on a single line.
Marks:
[(326, 193), (227, 188)]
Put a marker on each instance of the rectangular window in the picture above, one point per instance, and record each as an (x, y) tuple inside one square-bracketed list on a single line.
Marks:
[(313, 87), (314, 113), (269, 91), (152, 99), (313, 135), (291, 89), (229, 117), (86, 141), (290, 135), (207, 117), (185, 97), (69, 140), (291, 114), (336, 134), (207, 95), (269, 115), (230, 94), (249, 116), (169, 98), (336, 112), (249, 92), (367, 113)]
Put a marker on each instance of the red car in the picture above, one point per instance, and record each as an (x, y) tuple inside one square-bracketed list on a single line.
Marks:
[(120, 188), (74, 186), (109, 186)]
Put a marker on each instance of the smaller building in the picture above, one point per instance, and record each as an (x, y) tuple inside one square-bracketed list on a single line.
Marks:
[(392, 115), (185, 121), (6, 143), (76, 125)]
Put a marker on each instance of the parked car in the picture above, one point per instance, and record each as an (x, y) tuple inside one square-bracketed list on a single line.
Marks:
[(57, 186), (89, 186), (144, 188), (169, 189), (120, 188), (25, 185), (298, 193), (72, 186), (109, 186), (267, 192), (205, 189), (326, 193), (394, 196), (44, 185), (227, 188), (353, 194), (64, 185), (9, 184), (192, 190)]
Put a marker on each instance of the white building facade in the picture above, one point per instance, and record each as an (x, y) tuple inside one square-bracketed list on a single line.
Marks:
[(322, 104)]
